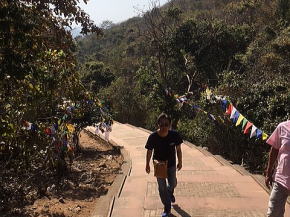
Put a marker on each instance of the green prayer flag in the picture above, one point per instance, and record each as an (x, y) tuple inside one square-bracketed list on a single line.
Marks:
[(245, 121)]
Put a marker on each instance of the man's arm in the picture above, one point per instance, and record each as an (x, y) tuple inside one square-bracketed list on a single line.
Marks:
[(179, 157), (148, 157), (269, 172)]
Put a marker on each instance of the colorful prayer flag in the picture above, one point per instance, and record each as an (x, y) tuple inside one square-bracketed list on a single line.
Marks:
[(229, 109), (224, 104), (233, 112), (29, 126), (239, 121), (211, 117), (253, 131), (70, 128), (55, 126), (265, 136), (208, 93), (53, 130), (196, 107), (247, 128), (236, 116), (221, 120), (47, 131), (34, 127), (245, 121), (259, 134)]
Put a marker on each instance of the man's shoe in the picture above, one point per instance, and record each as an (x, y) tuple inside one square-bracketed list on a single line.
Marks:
[(165, 214), (172, 199)]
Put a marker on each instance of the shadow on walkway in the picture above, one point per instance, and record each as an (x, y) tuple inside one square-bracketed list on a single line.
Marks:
[(180, 211)]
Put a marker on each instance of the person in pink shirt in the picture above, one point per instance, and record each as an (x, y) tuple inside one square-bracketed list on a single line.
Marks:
[(279, 177)]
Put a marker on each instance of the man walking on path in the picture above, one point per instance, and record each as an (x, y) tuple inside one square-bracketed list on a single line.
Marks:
[(166, 144), (280, 150)]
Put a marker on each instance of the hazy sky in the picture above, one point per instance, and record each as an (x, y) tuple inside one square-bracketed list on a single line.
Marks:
[(115, 10)]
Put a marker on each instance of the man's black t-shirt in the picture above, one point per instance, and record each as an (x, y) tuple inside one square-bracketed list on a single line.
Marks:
[(164, 147)]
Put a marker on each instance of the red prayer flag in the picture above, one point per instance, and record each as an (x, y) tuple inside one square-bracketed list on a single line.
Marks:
[(47, 131), (229, 109), (247, 128)]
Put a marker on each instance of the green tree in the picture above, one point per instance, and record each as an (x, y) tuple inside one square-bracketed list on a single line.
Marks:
[(38, 74), (97, 76)]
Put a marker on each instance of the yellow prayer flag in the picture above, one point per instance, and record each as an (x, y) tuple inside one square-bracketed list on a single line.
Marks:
[(264, 136), (221, 120), (208, 91), (241, 117), (70, 128)]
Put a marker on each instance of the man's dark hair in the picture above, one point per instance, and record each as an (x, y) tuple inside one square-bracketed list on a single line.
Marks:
[(163, 116)]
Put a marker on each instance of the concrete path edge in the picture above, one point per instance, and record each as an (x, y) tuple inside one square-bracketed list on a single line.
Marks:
[(105, 203)]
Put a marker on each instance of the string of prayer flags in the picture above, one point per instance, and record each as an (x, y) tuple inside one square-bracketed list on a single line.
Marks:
[(239, 119), (227, 107), (30, 126), (210, 116), (60, 130), (105, 128)]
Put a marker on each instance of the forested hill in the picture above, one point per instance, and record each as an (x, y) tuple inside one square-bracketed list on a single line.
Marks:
[(130, 32), (238, 48)]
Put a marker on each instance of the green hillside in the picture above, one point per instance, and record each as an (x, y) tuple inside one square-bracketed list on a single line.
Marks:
[(238, 48)]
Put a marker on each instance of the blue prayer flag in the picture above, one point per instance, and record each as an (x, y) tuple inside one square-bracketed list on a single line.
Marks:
[(259, 134), (236, 116), (224, 104)]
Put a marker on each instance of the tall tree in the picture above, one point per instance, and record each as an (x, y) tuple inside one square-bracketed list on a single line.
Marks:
[(38, 73)]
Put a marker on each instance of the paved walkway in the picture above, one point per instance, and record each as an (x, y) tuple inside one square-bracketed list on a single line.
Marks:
[(206, 187)]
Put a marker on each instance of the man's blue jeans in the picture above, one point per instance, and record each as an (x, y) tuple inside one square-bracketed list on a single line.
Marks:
[(166, 191)]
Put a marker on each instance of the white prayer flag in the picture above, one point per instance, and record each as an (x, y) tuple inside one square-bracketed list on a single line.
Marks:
[(107, 134), (97, 130), (253, 132), (233, 112)]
